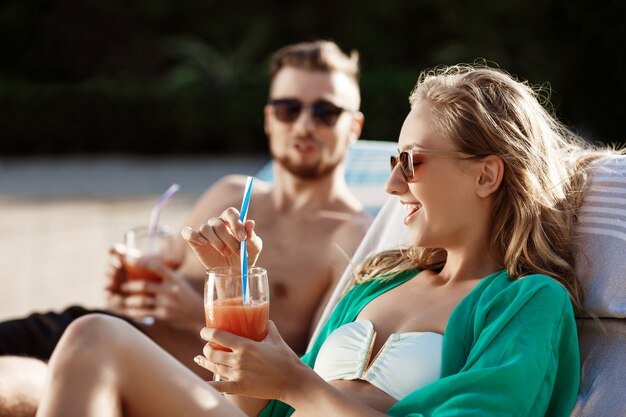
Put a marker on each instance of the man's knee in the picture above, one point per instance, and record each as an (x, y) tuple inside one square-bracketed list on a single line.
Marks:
[(21, 384)]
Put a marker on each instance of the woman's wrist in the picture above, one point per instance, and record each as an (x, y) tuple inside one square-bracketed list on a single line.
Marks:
[(302, 387), (310, 394)]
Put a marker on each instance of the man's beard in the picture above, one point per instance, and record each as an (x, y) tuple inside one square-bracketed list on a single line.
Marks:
[(307, 172)]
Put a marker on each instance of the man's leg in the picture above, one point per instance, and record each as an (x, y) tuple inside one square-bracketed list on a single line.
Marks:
[(25, 346), (21, 383), (29, 342), (37, 335)]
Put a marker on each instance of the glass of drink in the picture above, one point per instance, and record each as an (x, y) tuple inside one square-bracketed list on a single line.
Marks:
[(224, 306), (140, 247)]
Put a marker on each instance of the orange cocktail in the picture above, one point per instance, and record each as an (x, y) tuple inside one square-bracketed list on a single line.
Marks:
[(139, 272), (232, 315), (225, 309), (140, 247)]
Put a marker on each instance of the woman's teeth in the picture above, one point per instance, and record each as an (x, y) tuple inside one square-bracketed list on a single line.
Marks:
[(410, 208)]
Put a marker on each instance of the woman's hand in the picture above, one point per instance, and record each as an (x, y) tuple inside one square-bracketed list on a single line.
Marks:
[(266, 369), (216, 242)]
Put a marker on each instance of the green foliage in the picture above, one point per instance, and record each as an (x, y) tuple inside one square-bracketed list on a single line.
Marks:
[(155, 76)]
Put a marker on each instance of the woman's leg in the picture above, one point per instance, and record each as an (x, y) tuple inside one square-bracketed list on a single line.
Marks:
[(104, 367)]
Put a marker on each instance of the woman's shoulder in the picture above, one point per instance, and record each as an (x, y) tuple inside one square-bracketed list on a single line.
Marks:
[(520, 293), (502, 281), (535, 283)]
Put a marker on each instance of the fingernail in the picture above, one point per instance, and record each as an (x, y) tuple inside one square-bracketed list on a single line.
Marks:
[(197, 359), (242, 235), (186, 232)]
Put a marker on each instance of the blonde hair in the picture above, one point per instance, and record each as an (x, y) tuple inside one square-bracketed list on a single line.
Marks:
[(318, 55), (485, 111)]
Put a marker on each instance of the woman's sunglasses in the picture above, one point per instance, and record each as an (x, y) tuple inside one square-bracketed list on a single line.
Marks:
[(407, 159), (325, 113)]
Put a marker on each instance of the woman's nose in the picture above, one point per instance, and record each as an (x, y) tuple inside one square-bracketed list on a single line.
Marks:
[(396, 185)]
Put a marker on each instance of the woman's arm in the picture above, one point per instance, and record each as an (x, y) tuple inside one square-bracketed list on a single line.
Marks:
[(270, 369)]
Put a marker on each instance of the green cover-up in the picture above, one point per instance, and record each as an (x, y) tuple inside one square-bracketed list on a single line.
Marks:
[(510, 349)]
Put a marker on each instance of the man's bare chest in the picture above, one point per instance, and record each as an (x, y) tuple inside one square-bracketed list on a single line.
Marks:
[(297, 257)]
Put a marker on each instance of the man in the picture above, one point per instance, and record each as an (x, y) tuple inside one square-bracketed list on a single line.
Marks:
[(310, 221)]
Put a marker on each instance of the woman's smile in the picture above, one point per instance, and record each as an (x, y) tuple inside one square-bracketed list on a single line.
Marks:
[(412, 209)]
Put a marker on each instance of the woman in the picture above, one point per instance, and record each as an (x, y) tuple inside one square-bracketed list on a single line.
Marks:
[(475, 318)]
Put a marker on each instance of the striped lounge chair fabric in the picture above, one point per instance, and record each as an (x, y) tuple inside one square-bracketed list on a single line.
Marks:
[(601, 263)]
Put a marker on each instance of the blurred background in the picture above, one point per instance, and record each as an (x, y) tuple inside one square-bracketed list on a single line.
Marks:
[(166, 77), (103, 104)]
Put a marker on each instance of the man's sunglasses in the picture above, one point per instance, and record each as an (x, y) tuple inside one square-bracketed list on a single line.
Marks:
[(408, 159), (325, 113)]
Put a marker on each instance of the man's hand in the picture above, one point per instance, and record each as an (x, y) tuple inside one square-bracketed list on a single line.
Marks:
[(216, 242), (116, 276), (173, 301)]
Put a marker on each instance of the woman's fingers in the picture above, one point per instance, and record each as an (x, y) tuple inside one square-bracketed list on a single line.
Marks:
[(223, 236), (224, 233), (228, 387), (205, 363), (256, 369), (223, 338), (193, 237), (219, 235), (231, 217), (255, 244), (215, 360)]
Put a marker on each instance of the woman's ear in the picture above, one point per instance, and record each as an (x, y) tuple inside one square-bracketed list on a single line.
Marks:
[(490, 175)]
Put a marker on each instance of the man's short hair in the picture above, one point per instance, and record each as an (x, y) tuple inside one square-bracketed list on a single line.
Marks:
[(318, 55)]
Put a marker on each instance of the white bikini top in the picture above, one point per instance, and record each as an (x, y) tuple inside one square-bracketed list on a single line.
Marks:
[(405, 363)]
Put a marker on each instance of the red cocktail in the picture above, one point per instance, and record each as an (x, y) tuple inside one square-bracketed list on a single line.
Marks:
[(139, 272), (224, 306), (140, 247), (232, 315)]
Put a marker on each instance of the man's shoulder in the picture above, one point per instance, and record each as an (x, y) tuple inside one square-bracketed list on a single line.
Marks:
[(349, 234), (231, 187), (356, 222), (224, 193)]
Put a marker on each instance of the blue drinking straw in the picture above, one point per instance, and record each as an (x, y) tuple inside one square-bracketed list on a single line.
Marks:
[(243, 249)]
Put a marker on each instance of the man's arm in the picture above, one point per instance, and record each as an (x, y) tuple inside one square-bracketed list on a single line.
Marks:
[(177, 301)]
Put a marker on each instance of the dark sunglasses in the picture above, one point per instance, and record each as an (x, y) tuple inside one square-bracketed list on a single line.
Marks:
[(325, 113), (407, 159)]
